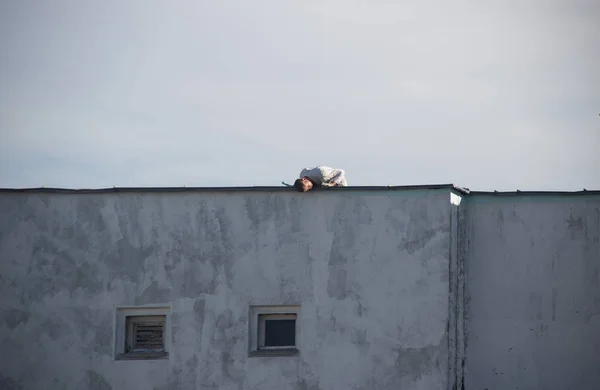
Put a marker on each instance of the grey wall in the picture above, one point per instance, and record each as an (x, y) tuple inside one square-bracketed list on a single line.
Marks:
[(370, 270), (533, 312)]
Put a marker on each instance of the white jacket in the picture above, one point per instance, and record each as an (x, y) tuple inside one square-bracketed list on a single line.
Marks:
[(325, 176)]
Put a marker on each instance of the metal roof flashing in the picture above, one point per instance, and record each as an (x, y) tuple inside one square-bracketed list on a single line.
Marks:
[(460, 191), (225, 189)]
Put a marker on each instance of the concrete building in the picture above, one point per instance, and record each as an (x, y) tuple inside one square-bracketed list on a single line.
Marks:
[(425, 287)]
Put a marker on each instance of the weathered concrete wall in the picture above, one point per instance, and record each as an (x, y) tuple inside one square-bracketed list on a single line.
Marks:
[(533, 313), (370, 269)]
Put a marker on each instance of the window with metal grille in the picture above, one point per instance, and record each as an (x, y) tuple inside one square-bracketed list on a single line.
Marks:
[(145, 334), (141, 332)]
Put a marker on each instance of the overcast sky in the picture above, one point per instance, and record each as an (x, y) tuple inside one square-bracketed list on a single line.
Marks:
[(487, 95)]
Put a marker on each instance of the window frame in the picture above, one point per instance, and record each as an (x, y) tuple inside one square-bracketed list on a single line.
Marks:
[(124, 331), (262, 331), (258, 316)]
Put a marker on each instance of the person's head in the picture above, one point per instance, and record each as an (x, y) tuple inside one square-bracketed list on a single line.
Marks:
[(303, 184)]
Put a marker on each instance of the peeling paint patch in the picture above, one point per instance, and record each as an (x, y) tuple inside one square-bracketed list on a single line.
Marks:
[(153, 294), (415, 362), (336, 284), (415, 244), (554, 296), (15, 317), (7, 383), (97, 382)]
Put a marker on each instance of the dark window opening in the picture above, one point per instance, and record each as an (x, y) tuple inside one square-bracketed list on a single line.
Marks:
[(277, 331), (280, 333)]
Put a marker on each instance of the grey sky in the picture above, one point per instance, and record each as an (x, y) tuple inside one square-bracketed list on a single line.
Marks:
[(497, 95)]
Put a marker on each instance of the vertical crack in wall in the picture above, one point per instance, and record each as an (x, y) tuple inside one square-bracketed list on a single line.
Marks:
[(456, 329)]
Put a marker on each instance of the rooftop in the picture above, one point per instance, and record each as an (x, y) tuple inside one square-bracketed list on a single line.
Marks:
[(451, 187)]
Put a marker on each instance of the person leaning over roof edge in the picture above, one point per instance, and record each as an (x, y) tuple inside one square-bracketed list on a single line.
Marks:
[(320, 176)]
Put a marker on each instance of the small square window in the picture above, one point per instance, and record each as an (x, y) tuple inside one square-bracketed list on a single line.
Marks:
[(274, 330), (145, 334), (141, 333)]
